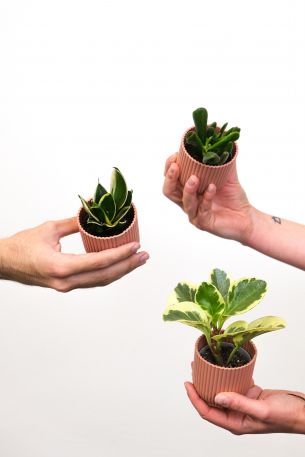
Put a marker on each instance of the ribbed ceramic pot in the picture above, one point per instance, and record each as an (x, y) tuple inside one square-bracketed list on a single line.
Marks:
[(94, 243), (207, 174), (209, 379)]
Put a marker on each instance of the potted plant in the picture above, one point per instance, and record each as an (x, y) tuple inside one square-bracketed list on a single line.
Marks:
[(207, 151), (224, 357), (108, 219)]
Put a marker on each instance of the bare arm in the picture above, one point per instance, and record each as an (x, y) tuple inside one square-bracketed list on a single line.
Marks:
[(228, 213), (34, 257)]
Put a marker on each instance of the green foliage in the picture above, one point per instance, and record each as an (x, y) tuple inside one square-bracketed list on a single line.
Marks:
[(211, 144), (208, 305), (107, 210)]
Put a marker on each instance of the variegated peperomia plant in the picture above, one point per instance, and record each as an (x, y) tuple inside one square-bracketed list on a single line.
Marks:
[(210, 144), (210, 304), (108, 210)]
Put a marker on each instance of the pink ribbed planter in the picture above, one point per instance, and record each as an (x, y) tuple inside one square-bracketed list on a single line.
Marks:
[(207, 174), (209, 379), (96, 243)]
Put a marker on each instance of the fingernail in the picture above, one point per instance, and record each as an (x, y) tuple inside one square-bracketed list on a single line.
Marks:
[(191, 182), (222, 400), (171, 171), (135, 247), (210, 188), (143, 258)]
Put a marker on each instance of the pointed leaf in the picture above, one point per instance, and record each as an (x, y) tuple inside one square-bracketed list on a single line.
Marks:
[(87, 208), (118, 188), (99, 192), (98, 213), (220, 280), (122, 213), (107, 204), (210, 300), (244, 295)]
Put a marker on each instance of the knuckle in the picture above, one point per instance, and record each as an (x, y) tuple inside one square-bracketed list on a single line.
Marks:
[(50, 225), (61, 286)]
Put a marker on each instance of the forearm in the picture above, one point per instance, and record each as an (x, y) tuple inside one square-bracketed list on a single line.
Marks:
[(278, 238)]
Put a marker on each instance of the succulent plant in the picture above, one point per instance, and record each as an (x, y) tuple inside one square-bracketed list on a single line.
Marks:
[(109, 210), (210, 144), (209, 305)]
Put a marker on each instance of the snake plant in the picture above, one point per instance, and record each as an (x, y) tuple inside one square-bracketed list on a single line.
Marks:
[(210, 144), (209, 305), (109, 210)]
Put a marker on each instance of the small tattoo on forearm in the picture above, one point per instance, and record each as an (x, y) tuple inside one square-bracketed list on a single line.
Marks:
[(276, 220)]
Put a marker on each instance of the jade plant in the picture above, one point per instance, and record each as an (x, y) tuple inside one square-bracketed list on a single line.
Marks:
[(109, 210), (210, 144), (210, 304)]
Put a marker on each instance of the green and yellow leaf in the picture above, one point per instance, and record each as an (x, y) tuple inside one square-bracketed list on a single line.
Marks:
[(118, 188), (210, 300), (221, 281), (189, 313), (244, 295)]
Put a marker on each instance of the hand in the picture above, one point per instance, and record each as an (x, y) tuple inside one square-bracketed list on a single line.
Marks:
[(225, 212), (259, 411), (34, 257)]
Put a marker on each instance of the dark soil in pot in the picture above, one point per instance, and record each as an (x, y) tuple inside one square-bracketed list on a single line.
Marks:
[(240, 358), (109, 232)]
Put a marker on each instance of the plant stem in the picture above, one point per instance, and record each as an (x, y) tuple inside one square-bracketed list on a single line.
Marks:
[(232, 354)]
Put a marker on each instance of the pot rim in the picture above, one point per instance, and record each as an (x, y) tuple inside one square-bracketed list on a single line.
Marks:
[(252, 361), (204, 165), (82, 230)]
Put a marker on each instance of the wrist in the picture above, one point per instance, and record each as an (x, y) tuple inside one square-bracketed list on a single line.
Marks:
[(252, 230), (4, 256)]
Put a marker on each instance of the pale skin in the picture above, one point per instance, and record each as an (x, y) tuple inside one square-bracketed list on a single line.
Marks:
[(227, 213), (34, 257)]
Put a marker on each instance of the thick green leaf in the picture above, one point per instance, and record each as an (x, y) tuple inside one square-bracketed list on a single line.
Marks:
[(191, 314), (99, 192), (122, 213), (98, 213), (107, 204), (210, 300), (200, 116), (128, 199), (244, 295), (87, 208), (185, 292), (235, 327), (118, 188), (220, 280)]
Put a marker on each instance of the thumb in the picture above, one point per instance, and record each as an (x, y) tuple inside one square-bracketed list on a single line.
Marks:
[(66, 227), (236, 402)]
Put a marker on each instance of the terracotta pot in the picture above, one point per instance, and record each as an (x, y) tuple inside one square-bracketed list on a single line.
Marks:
[(209, 379), (94, 243), (207, 174)]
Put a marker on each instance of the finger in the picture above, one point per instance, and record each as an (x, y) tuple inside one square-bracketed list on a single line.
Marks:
[(105, 276), (171, 184), (168, 162), (80, 263), (190, 197), (206, 202), (214, 415), (254, 392), (258, 409), (66, 227)]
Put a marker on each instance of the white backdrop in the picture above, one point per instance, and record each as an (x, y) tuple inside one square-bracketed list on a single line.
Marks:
[(88, 85)]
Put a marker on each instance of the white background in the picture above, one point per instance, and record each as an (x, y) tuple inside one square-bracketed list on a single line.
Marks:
[(87, 85)]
